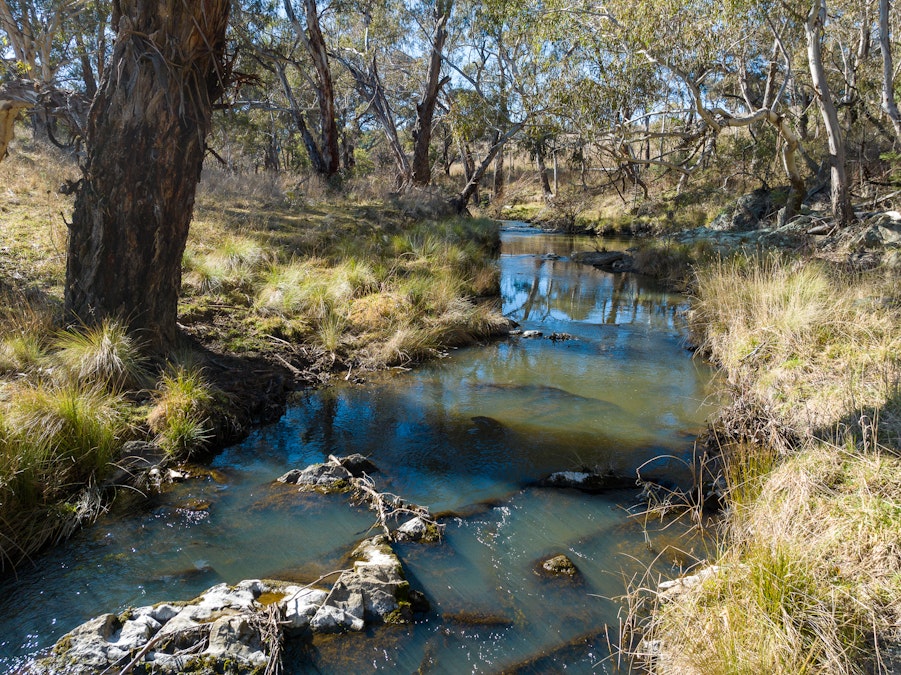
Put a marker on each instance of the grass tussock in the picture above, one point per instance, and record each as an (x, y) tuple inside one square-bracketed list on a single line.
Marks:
[(806, 577), (810, 581), (55, 439), (368, 294), (286, 266), (181, 415), (813, 344), (105, 356)]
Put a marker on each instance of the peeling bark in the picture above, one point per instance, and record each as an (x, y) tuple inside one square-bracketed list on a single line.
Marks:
[(329, 157), (888, 70), (841, 197)]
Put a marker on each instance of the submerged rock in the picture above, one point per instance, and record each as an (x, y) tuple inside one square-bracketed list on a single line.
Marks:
[(560, 337), (557, 565)]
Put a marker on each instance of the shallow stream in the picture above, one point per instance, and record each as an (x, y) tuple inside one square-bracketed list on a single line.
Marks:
[(467, 436)]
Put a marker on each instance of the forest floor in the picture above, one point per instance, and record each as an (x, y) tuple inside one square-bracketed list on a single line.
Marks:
[(284, 285)]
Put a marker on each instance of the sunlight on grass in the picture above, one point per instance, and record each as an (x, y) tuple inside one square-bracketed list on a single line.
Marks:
[(180, 417)]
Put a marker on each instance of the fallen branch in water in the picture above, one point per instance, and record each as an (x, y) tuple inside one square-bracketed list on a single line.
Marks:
[(387, 506)]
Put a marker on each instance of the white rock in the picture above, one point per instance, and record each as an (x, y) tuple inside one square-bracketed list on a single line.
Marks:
[(161, 613), (233, 637), (301, 606), (568, 477), (136, 632), (412, 530), (674, 588), (331, 619)]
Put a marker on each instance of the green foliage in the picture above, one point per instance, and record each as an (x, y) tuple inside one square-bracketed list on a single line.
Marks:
[(180, 417)]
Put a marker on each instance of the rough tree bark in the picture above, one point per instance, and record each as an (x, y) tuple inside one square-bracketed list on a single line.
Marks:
[(425, 109), (145, 140), (841, 195)]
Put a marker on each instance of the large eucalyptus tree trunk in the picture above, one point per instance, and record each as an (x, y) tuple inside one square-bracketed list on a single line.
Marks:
[(888, 69), (327, 159), (145, 142)]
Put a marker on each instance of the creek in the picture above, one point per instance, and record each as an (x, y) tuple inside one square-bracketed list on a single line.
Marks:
[(468, 436)]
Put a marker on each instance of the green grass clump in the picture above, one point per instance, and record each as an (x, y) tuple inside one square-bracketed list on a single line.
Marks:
[(814, 345), (105, 356), (54, 437), (234, 263), (21, 352), (180, 417)]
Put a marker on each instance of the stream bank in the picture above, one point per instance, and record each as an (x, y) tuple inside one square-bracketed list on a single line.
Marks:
[(471, 436)]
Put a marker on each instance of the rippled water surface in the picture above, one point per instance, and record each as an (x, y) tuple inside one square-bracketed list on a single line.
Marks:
[(469, 436)]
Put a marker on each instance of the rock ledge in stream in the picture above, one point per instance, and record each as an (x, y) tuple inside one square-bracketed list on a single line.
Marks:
[(222, 631), (587, 481), (333, 476), (608, 261)]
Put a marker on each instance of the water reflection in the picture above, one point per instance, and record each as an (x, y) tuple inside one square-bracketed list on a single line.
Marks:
[(467, 435)]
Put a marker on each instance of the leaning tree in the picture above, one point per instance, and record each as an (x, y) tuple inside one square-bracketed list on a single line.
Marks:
[(146, 137)]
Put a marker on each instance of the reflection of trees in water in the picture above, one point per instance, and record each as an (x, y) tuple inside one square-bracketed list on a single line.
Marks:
[(576, 292)]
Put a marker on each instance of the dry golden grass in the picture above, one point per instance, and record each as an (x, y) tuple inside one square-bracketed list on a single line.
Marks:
[(810, 581), (274, 264), (807, 577), (367, 284), (32, 212), (814, 345)]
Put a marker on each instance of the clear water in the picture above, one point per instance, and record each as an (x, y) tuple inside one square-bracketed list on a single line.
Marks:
[(468, 436)]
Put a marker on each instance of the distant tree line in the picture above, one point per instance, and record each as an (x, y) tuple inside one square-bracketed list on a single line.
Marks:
[(633, 89)]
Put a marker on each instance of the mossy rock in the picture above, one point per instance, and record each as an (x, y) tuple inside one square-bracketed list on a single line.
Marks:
[(557, 566)]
